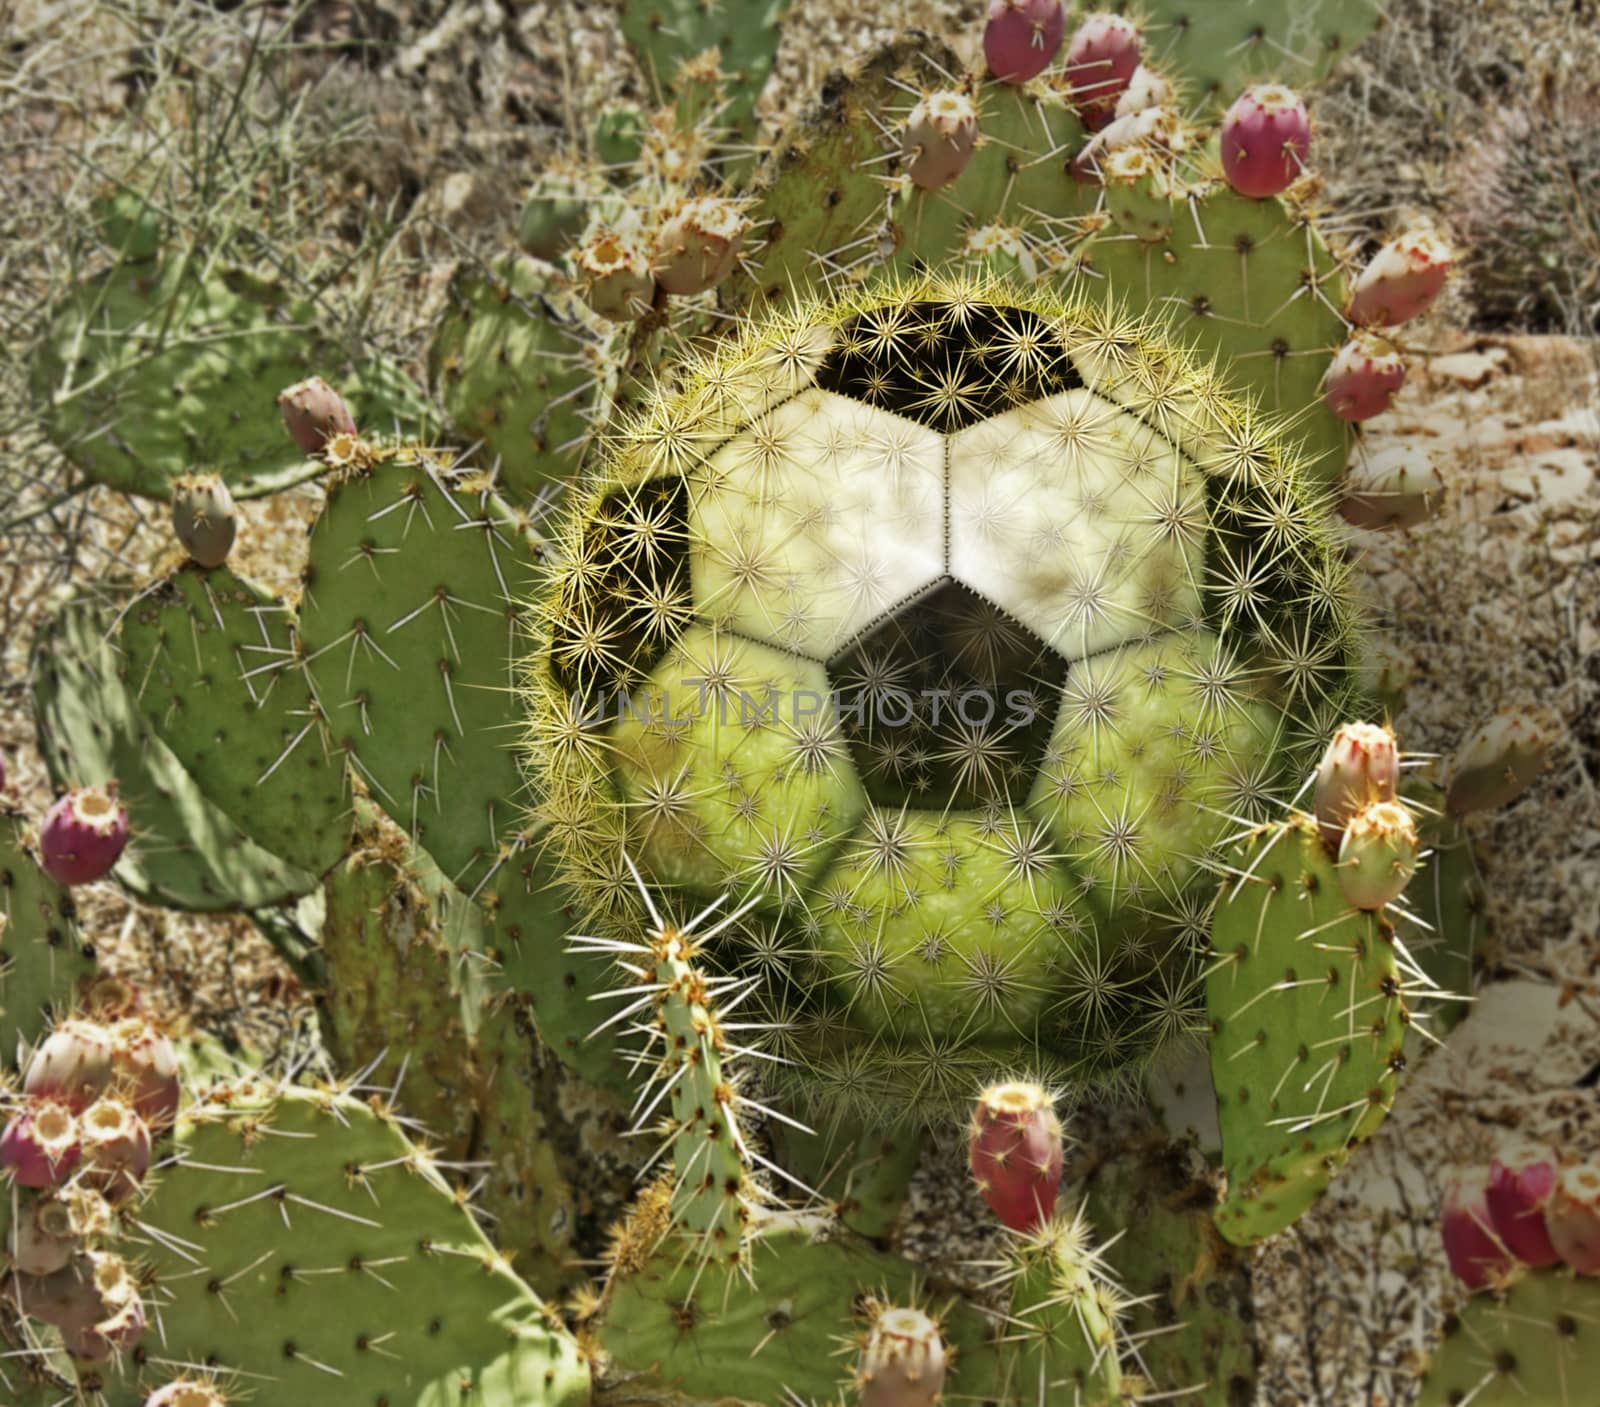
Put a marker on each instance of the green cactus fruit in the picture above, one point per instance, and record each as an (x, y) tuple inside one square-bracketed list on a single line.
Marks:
[(204, 518), (907, 621), (523, 368), (1308, 1019), (298, 1238), (170, 367), (409, 629), (211, 663), (1535, 1345), (186, 853), (44, 959), (1451, 941), (1193, 1323)]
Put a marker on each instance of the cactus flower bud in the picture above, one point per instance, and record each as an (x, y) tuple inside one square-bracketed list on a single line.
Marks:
[(313, 413), (83, 835), (1402, 281), (1572, 1217), (1021, 37), (1500, 760), (40, 1146), (617, 280), (1397, 488), (1101, 60), (1015, 1152), (1361, 765), (903, 1363), (941, 134), (204, 517), (1363, 378), (698, 247), (1476, 1255), (1521, 1180), (1378, 855), (1266, 139)]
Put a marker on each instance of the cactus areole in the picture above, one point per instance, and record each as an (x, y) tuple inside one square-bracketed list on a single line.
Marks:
[(949, 627)]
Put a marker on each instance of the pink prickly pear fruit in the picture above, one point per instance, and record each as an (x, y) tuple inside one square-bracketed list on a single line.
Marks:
[(1378, 855), (40, 1146), (1101, 60), (1476, 1254), (113, 1336), (116, 1149), (698, 247), (1015, 1152), (940, 137), (903, 1362), (1501, 759), (1146, 89), (83, 835), (1021, 37), (1364, 377), (313, 413), (1266, 138), (617, 281), (74, 1063), (185, 1394), (1572, 1217), (1397, 488), (204, 518), (1401, 282), (1361, 766), (43, 1237), (146, 1063), (1521, 1179)]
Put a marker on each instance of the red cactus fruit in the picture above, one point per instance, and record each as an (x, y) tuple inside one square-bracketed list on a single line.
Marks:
[(1572, 1217), (1521, 1179), (1401, 282), (116, 1149), (1394, 488), (697, 248), (1364, 377), (1015, 1151), (1501, 759), (313, 413), (1378, 855), (1021, 37), (1476, 1254), (1101, 60), (1361, 765), (41, 1145), (83, 835), (903, 1362), (940, 137), (75, 1063), (146, 1063), (1266, 139)]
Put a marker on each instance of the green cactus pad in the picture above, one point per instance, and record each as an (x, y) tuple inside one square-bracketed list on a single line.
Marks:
[(864, 1173), (1308, 1027), (43, 956), (1537, 1345), (299, 1242), (1219, 48), (1193, 1321), (1450, 941), (523, 367), (210, 661), (943, 625), (185, 852), (173, 367), (409, 628)]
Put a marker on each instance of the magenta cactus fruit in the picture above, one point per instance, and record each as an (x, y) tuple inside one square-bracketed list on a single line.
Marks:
[(1572, 1217), (1378, 855), (616, 275), (204, 518), (1401, 282), (698, 247), (116, 1149), (313, 413), (1364, 377), (1266, 140), (903, 1362), (1101, 61), (40, 1146), (1015, 1152), (1021, 37), (1476, 1254), (184, 1393), (940, 136), (1398, 488), (75, 1063), (1500, 760), (83, 835), (1521, 1179), (146, 1063), (1361, 766)]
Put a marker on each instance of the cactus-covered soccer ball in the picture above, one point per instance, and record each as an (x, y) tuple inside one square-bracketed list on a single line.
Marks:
[(949, 628)]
